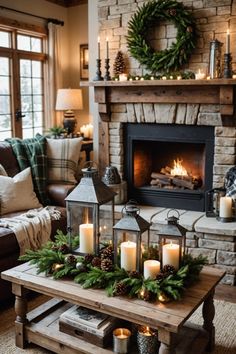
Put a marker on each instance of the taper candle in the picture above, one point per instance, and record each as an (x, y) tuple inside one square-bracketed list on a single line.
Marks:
[(107, 44), (98, 47), (227, 51)]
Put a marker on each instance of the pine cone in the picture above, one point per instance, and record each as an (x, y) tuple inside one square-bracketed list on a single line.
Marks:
[(55, 248), (64, 248), (160, 276), (107, 265), (120, 288), (88, 258), (96, 262), (168, 269), (119, 64), (107, 252), (70, 259), (134, 274), (172, 12)]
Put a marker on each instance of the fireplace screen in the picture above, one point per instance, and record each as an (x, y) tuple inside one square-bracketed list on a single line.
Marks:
[(169, 166)]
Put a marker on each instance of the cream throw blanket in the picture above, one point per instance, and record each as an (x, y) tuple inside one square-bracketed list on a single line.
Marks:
[(32, 229)]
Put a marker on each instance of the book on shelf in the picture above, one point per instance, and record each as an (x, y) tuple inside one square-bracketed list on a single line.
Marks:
[(87, 320)]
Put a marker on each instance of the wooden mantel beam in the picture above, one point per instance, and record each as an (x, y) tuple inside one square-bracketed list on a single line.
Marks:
[(217, 91)]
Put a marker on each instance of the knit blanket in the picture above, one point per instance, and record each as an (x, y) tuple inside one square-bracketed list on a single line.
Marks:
[(32, 153), (32, 229)]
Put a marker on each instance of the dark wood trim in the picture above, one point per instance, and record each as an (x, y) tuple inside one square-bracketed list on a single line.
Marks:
[(68, 3), (22, 26)]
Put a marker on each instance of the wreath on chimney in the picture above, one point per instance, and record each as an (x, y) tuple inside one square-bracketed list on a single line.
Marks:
[(146, 18)]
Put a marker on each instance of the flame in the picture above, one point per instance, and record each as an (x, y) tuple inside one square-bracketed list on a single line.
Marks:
[(178, 169)]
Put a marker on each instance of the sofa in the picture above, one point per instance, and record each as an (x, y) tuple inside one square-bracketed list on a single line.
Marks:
[(9, 249)]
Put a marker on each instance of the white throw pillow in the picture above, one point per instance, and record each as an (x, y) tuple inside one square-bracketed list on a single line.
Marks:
[(3, 171), (17, 193), (63, 159)]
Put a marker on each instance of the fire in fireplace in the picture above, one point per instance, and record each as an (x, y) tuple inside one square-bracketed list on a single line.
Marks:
[(169, 165)]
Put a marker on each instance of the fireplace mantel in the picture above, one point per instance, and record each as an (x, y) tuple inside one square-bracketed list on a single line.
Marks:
[(217, 91)]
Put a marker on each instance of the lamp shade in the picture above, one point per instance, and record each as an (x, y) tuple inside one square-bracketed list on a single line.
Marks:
[(69, 99)]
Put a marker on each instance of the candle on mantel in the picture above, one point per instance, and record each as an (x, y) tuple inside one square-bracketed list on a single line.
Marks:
[(200, 75), (225, 207), (227, 50), (170, 255), (107, 45), (128, 255), (123, 77), (86, 238), (151, 268), (98, 47)]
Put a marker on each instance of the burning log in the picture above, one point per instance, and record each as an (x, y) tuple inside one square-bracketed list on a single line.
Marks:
[(164, 180)]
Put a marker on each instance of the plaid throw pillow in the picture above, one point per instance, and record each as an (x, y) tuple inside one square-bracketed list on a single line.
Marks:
[(63, 159)]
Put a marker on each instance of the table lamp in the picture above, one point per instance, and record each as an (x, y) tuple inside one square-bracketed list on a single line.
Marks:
[(69, 100)]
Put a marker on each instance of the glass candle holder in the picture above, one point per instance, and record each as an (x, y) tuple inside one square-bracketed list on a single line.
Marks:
[(147, 341), (121, 338)]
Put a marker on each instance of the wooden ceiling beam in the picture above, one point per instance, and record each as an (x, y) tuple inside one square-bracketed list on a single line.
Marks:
[(68, 3)]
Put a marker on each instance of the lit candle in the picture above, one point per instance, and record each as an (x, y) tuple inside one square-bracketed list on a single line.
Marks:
[(121, 340), (163, 77), (225, 207), (179, 77), (123, 77), (128, 255), (98, 47), (142, 78), (170, 255), (227, 51), (200, 75), (151, 269), (107, 45), (146, 332), (234, 76), (86, 238), (208, 78), (90, 130)]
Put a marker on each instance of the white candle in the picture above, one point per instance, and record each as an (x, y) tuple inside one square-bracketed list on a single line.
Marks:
[(170, 255), (128, 255), (123, 77), (90, 131), (151, 269), (200, 75), (86, 238), (98, 47), (227, 51), (107, 48), (225, 207)]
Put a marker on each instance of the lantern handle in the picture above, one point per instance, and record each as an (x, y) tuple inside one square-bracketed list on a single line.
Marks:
[(175, 210), (130, 202), (90, 164)]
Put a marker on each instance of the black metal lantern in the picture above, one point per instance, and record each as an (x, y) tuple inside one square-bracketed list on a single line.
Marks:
[(130, 229), (172, 241), (212, 201), (84, 212)]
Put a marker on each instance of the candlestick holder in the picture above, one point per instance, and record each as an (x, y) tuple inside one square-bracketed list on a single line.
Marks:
[(227, 66), (98, 76), (107, 76)]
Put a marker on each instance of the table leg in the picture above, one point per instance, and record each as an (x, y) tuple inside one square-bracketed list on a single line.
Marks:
[(21, 319), (166, 342), (208, 312)]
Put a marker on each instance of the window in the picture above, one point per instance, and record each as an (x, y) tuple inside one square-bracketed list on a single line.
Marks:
[(22, 84)]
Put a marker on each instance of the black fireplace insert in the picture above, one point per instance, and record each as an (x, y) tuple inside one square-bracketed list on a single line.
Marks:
[(169, 165)]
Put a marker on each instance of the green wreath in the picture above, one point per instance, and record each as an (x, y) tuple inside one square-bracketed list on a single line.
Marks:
[(148, 16)]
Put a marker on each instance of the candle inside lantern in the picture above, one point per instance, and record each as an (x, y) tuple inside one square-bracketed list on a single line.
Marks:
[(151, 268), (107, 45), (128, 255), (225, 207), (86, 238), (98, 47), (170, 255), (227, 50), (121, 340), (200, 75)]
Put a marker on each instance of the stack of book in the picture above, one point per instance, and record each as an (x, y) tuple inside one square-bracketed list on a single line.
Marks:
[(90, 325)]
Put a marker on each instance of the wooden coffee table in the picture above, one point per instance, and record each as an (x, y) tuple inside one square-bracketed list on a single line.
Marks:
[(40, 326)]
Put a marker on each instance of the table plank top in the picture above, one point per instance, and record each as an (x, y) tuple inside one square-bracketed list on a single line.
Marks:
[(169, 315)]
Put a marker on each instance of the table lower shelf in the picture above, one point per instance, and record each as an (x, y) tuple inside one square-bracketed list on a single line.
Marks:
[(43, 330)]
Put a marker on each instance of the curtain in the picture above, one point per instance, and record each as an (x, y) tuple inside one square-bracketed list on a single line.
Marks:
[(54, 75)]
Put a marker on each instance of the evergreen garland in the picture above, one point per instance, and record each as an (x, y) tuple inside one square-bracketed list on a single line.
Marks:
[(146, 17), (170, 286)]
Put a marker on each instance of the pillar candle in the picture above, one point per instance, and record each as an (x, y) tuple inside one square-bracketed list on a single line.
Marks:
[(128, 255), (225, 207), (123, 77), (227, 51), (86, 238), (151, 268), (170, 255)]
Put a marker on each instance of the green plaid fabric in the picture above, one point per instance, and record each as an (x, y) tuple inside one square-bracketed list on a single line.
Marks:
[(32, 153)]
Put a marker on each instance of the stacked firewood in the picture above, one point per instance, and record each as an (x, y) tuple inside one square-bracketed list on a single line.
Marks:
[(164, 179)]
